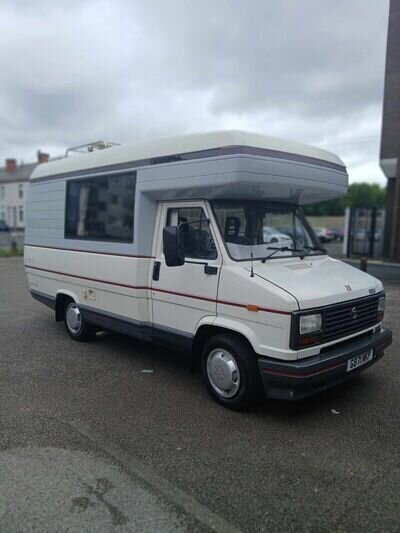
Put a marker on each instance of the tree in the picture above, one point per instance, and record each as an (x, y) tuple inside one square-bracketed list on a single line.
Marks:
[(358, 195), (365, 195)]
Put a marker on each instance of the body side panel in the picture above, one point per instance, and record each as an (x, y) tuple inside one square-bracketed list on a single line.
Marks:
[(267, 328), (109, 283)]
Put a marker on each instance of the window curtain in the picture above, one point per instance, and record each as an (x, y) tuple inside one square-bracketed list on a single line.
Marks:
[(83, 204)]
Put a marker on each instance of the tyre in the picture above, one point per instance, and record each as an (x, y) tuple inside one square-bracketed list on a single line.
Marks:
[(230, 371), (76, 326)]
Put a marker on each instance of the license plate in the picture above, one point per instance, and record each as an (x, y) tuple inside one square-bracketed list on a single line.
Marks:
[(359, 360)]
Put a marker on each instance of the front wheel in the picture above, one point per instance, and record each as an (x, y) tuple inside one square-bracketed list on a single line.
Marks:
[(230, 371), (76, 326)]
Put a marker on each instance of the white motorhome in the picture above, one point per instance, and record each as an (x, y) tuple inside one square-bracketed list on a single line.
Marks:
[(164, 241)]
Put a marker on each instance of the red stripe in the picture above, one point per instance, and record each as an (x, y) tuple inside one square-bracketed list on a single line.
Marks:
[(277, 311), (89, 279), (185, 295), (144, 287), (292, 375), (265, 309), (89, 251)]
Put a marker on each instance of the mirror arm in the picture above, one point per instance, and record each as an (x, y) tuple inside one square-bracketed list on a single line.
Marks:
[(209, 270)]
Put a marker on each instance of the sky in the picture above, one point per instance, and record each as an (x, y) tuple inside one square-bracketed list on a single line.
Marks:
[(127, 70)]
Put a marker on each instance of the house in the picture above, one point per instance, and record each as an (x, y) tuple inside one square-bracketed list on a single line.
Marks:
[(14, 182)]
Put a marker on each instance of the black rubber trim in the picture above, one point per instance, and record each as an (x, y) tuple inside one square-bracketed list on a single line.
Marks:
[(133, 328), (172, 338), (168, 337), (45, 299), (294, 380)]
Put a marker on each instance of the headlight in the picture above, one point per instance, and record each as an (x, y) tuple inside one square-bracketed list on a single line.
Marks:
[(310, 323), (381, 308)]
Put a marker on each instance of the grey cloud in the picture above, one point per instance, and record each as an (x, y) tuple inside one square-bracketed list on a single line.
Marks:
[(300, 55), (123, 70)]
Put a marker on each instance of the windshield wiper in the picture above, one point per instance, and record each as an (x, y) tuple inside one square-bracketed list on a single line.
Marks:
[(309, 249), (280, 249)]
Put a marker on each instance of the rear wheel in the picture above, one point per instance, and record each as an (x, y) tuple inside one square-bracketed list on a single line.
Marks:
[(230, 371), (76, 326)]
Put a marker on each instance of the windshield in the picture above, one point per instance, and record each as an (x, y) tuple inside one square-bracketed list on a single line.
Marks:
[(264, 229)]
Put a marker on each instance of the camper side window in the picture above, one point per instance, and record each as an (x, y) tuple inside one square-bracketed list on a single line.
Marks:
[(197, 238), (101, 208)]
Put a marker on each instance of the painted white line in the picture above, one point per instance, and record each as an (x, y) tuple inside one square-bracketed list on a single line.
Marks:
[(164, 487)]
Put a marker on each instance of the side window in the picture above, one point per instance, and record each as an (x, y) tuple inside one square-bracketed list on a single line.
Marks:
[(197, 238), (101, 208)]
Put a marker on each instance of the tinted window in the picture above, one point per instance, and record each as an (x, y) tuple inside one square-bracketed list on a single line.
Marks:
[(197, 238), (101, 209)]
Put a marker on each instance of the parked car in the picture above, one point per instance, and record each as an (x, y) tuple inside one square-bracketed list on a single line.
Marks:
[(295, 235), (338, 234), (4, 226), (324, 234), (272, 235)]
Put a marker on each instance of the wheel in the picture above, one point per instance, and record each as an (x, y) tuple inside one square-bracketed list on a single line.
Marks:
[(76, 326), (230, 371)]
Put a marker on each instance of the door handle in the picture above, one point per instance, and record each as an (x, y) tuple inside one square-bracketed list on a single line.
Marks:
[(210, 270), (156, 270)]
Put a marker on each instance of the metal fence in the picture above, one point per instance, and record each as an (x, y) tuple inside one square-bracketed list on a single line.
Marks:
[(364, 232)]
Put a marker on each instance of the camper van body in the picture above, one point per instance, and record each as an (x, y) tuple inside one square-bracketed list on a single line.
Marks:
[(290, 324)]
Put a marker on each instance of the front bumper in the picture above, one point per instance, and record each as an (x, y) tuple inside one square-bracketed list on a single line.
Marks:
[(298, 379)]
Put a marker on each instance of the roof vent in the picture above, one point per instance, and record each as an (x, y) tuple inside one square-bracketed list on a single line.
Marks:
[(90, 147)]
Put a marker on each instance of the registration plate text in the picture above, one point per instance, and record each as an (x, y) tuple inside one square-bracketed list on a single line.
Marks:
[(359, 360)]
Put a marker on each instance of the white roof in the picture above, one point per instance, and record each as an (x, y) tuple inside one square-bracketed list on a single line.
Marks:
[(179, 145)]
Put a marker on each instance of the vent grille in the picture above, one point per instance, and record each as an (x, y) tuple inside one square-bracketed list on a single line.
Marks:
[(348, 318)]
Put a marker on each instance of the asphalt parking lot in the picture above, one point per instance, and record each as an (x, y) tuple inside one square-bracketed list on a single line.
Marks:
[(90, 442)]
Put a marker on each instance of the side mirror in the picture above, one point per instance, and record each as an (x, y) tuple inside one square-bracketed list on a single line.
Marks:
[(173, 246)]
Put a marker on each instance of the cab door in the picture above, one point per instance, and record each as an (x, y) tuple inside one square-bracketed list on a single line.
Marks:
[(183, 295)]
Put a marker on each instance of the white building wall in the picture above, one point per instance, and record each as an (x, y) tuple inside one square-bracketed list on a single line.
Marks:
[(12, 203)]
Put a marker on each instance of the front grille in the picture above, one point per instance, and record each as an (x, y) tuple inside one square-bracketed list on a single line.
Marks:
[(341, 320)]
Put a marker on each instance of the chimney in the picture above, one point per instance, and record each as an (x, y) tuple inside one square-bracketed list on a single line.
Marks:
[(42, 157), (11, 165)]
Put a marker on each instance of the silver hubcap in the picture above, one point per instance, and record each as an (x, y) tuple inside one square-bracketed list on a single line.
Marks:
[(223, 373), (73, 318)]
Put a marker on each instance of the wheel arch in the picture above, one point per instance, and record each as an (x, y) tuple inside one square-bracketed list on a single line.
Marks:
[(209, 328), (61, 297)]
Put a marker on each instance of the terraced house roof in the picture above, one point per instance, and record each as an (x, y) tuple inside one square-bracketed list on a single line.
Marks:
[(22, 172)]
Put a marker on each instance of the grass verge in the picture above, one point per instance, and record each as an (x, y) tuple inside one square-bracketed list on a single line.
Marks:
[(7, 252)]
